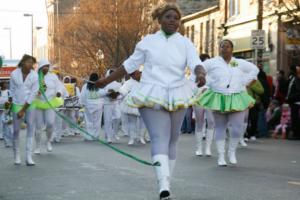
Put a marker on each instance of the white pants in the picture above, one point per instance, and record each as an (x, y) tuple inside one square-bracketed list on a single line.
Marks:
[(58, 126), (111, 122), (30, 122), (124, 122), (44, 118), (93, 121), (69, 113), (7, 134)]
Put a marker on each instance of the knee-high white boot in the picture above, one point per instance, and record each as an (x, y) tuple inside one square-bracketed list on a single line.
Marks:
[(199, 137), (242, 140), (49, 136), (208, 141), (16, 148), (221, 152), (29, 161), (37, 136), (232, 150), (163, 175)]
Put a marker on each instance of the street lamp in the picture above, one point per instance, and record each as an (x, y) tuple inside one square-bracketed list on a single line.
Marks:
[(10, 45), (30, 15)]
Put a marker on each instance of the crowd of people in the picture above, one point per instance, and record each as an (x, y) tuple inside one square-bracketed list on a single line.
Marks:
[(223, 99)]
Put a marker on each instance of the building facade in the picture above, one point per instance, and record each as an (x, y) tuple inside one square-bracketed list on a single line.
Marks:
[(235, 20)]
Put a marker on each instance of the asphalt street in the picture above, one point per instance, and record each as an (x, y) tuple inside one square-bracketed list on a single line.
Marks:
[(77, 170)]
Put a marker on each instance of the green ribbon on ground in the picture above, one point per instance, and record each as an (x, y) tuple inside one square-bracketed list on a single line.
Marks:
[(74, 125)]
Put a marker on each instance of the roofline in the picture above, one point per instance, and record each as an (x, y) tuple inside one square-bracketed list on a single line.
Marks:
[(199, 14)]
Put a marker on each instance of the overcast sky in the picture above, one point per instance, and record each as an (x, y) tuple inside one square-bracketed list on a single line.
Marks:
[(11, 15)]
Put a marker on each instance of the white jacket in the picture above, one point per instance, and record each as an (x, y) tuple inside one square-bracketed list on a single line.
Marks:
[(229, 78), (53, 85), (23, 91), (88, 97), (164, 59)]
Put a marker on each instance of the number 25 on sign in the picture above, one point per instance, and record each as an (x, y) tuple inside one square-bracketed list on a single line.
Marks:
[(257, 39)]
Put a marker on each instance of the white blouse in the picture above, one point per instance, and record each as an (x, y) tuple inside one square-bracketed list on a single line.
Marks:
[(95, 97), (164, 59), (229, 78), (53, 85), (23, 91)]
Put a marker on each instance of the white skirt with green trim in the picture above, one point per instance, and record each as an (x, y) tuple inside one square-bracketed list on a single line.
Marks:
[(171, 99)]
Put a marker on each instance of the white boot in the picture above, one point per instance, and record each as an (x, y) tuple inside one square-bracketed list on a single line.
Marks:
[(142, 140), (29, 161), (199, 137), (163, 175), (37, 138), (232, 150), (16, 148), (49, 136), (208, 141), (221, 153), (131, 141), (242, 142)]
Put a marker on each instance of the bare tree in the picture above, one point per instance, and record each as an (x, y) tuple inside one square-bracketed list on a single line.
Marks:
[(111, 26)]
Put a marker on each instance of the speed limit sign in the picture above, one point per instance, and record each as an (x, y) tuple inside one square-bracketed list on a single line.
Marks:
[(258, 39)]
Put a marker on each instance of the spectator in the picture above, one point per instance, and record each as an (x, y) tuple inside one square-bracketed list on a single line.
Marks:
[(273, 114), (284, 121), (280, 87), (293, 98)]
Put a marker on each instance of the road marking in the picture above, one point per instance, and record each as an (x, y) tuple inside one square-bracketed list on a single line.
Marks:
[(294, 183)]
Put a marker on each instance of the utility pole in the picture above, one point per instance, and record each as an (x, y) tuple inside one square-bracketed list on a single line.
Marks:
[(259, 52)]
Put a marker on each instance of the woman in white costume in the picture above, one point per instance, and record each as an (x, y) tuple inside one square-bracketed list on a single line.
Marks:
[(134, 123), (4, 95), (92, 98), (227, 97), (24, 86), (45, 114), (112, 110), (200, 115), (163, 94)]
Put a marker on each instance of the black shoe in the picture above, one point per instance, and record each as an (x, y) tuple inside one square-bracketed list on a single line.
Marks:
[(165, 195)]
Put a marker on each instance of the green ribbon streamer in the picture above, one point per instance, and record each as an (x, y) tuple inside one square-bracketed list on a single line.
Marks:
[(42, 91)]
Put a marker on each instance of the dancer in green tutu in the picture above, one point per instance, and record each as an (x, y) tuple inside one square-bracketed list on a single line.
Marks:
[(227, 97)]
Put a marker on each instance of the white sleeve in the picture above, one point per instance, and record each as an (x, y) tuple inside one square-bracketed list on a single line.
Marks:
[(12, 87), (249, 69), (192, 56), (125, 88), (134, 62), (102, 92), (33, 89)]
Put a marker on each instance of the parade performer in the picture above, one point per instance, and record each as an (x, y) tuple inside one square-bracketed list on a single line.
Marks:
[(6, 119), (135, 124), (92, 98), (45, 114), (227, 97), (4, 95), (163, 94), (58, 125), (24, 86), (112, 110), (200, 115)]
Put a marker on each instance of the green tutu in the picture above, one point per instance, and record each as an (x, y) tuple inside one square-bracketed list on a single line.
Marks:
[(16, 108), (225, 103), (43, 105)]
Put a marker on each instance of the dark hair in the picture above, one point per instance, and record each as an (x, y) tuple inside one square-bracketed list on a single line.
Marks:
[(25, 58), (162, 9), (227, 40), (93, 78), (204, 56)]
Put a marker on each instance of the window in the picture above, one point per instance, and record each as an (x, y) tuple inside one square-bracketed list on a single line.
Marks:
[(187, 32), (201, 38), (207, 37), (234, 7), (212, 37), (193, 33)]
